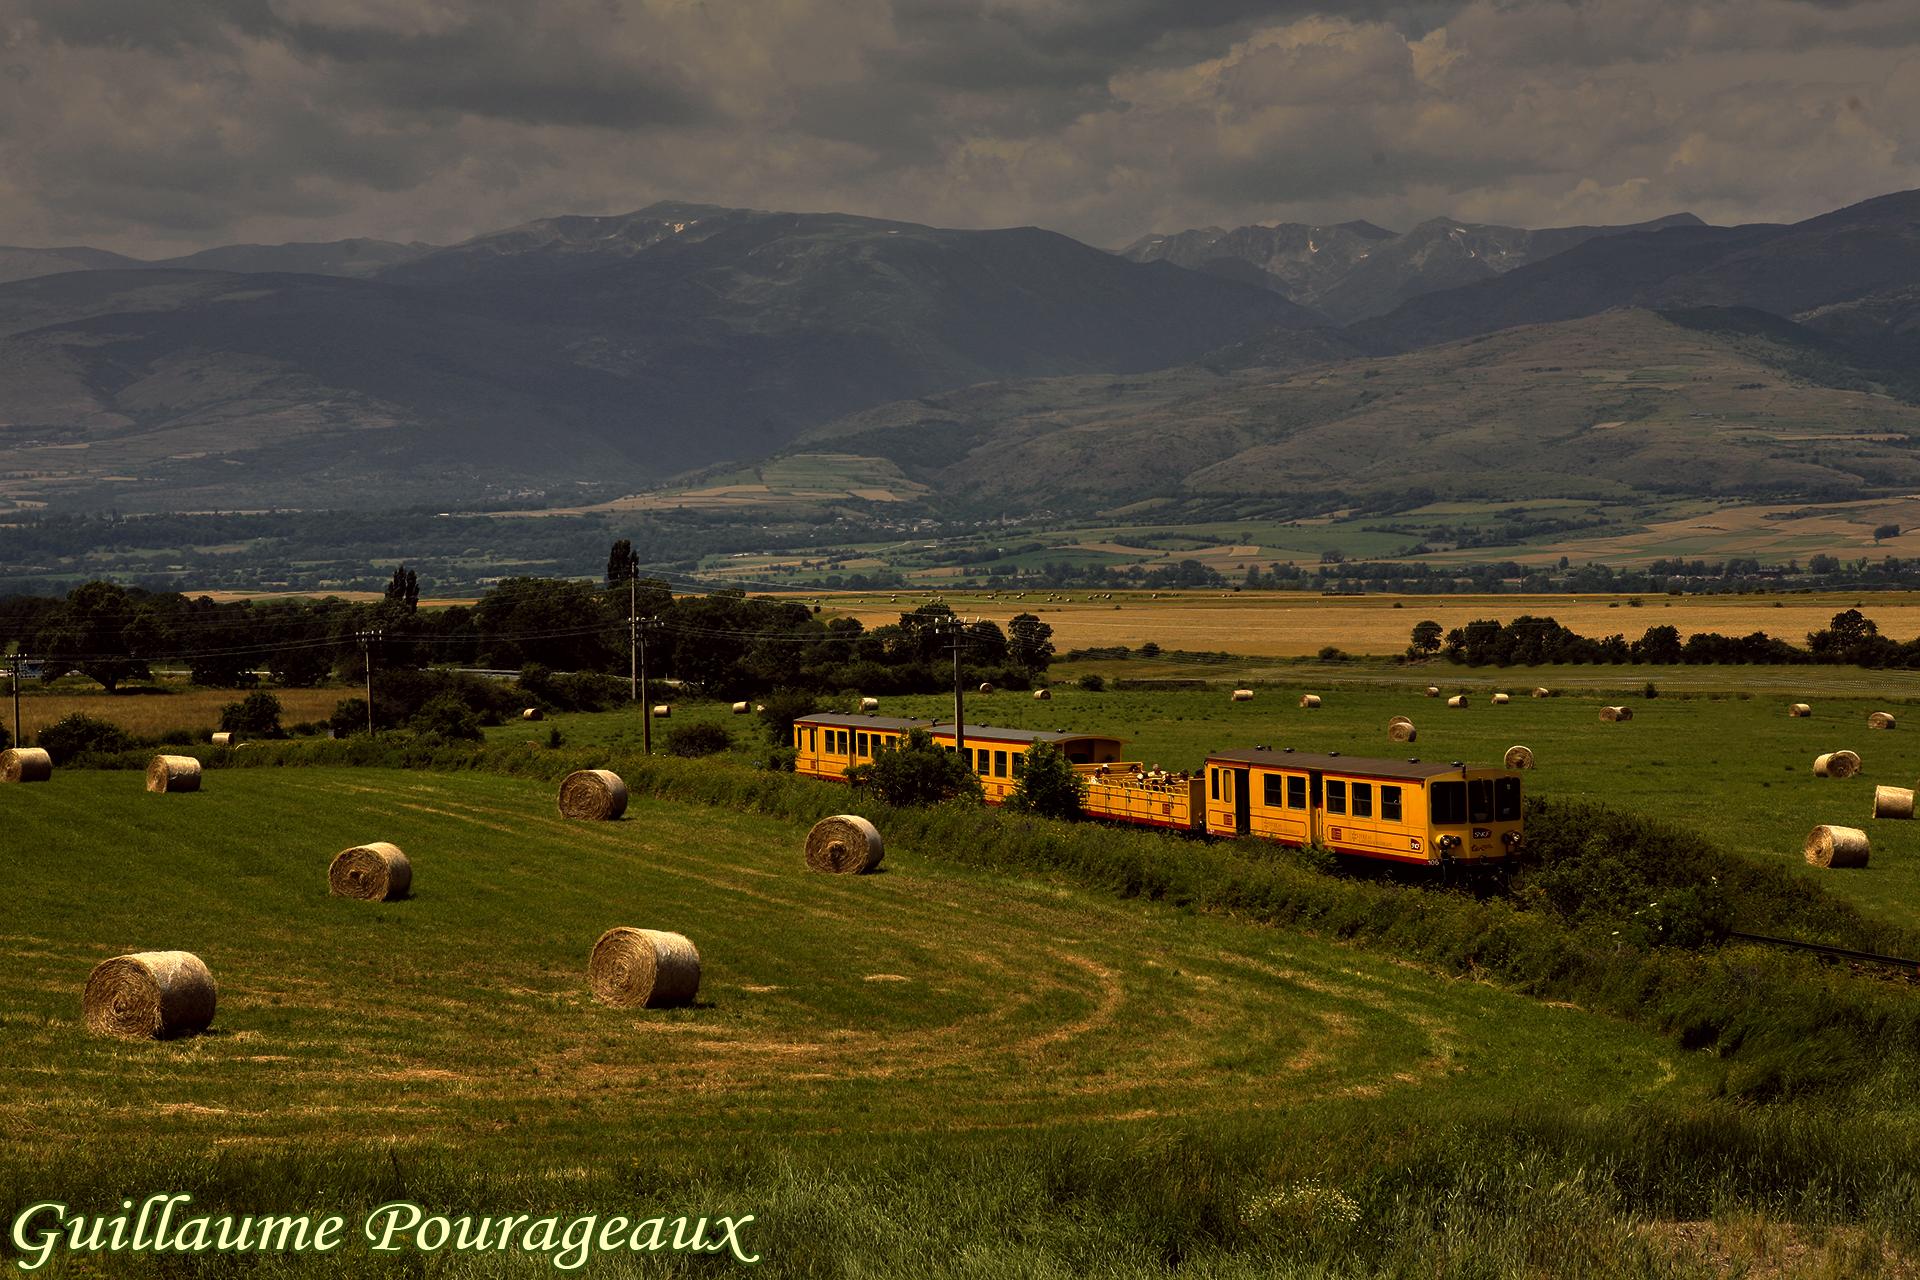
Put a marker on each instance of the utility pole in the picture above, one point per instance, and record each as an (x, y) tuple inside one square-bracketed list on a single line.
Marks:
[(18, 660), (646, 704), (633, 637), (957, 628), (368, 638)]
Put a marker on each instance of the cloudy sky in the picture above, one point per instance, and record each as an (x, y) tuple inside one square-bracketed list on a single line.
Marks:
[(159, 126)]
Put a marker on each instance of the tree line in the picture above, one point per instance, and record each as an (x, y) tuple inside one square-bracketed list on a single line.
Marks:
[(1851, 638)]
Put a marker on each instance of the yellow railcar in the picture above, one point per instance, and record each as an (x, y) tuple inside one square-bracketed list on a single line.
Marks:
[(998, 755), (826, 746), (1128, 791), (1391, 810)]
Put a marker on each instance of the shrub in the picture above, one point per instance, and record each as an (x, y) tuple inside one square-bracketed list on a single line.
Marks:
[(1092, 682), (255, 716), (349, 717), (781, 709), (915, 774), (1048, 785), (6, 739), (447, 717), (698, 740), (78, 734)]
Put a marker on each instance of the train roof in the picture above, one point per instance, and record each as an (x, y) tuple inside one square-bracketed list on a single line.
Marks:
[(993, 733), (838, 721), (1315, 762)]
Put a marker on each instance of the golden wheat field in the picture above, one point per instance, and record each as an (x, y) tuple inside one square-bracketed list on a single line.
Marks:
[(1292, 624)]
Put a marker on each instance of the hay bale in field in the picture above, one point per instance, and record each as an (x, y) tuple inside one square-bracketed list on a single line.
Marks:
[(1893, 802), (1458, 702), (1836, 764), (662, 710), (1542, 693), (167, 774), (1609, 715), (1799, 711), (149, 995), (1043, 695), (1309, 700), (1501, 699), (1880, 720), (845, 844), (643, 969), (1402, 731), (1519, 757), (1243, 695), (1393, 720), (533, 713), (1829, 846), (986, 688), (596, 795), (869, 704), (25, 764), (739, 708), (1433, 691), (226, 739), (376, 872)]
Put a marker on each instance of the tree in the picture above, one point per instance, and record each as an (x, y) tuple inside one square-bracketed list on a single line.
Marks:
[(916, 773), (446, 716), (1885, 531), (1029, 642), (1426, 637), (1659, 644), (1048, 785), (255, 716), (99, 632), (403, 593), (623, 563)]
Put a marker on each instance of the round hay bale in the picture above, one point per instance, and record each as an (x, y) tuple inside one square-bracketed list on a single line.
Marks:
[(1458, 702), (1836, 764), (1309, 700), (845, 844), (1433, 691), (596, 795), (1519, 757), (376, 872), (869, 704), (1880, 720), (167, 774), (1043, 695), (1392, 720), (226, 739), (1402, 731), (25, 764), (986, 688), (1243, 695), (149, 995), (1799, 711), (533, 713), (1892, 802), (740, 708), (1542, 693), (1501, 699), (643, 969), (1829, 846), (661, 710), (1609, 715)]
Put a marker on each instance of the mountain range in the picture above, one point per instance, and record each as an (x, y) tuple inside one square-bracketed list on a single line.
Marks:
[(577, 353)]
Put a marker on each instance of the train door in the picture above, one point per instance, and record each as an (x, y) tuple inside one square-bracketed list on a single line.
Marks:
[(1242, 801), (1316, 812)]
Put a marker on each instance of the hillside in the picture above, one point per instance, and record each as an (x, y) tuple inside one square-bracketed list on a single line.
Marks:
[(1626, 403), (599, 350)]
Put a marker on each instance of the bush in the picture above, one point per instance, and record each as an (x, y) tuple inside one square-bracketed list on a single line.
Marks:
[(448, 718), (1048, 785), (80, 734), (781, 709), (1092, 682), (915, 774), (349, 717), (255, 716), (698, 740), (6, 739)]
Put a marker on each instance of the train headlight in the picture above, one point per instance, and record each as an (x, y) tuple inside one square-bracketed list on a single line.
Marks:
[(1449, 843), (1511, 839)]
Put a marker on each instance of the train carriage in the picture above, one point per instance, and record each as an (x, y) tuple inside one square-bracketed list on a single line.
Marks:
[(997, 756), (826, 746), (1400, 811)]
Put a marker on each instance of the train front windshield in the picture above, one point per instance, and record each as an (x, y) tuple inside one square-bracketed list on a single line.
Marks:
[(1482, 800)]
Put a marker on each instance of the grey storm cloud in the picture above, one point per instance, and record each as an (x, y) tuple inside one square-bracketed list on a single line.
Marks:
[(161, 127)]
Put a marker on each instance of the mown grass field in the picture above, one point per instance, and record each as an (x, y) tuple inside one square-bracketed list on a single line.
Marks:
[(1734, 768), (149, 711), (931, 1071)]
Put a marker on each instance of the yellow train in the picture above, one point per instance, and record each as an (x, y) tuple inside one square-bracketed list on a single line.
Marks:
[(1398, 811)]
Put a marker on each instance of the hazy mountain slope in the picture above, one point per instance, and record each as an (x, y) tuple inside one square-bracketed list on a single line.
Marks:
[(24, 264), (356, 258), (1622, 403)]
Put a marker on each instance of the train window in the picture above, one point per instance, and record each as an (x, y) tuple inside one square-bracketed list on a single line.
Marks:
[(1216, 782), (1363, 799), (1296, 793), (1449, 804), (1506, 799), (999, 764), (1019, 763), (981, 760), (845, 745), (1389, 804), (1336, 796), (1272, 786), (860, 741), (1480, 800)]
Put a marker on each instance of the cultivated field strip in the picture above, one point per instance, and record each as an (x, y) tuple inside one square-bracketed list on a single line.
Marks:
[(918, 999)]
